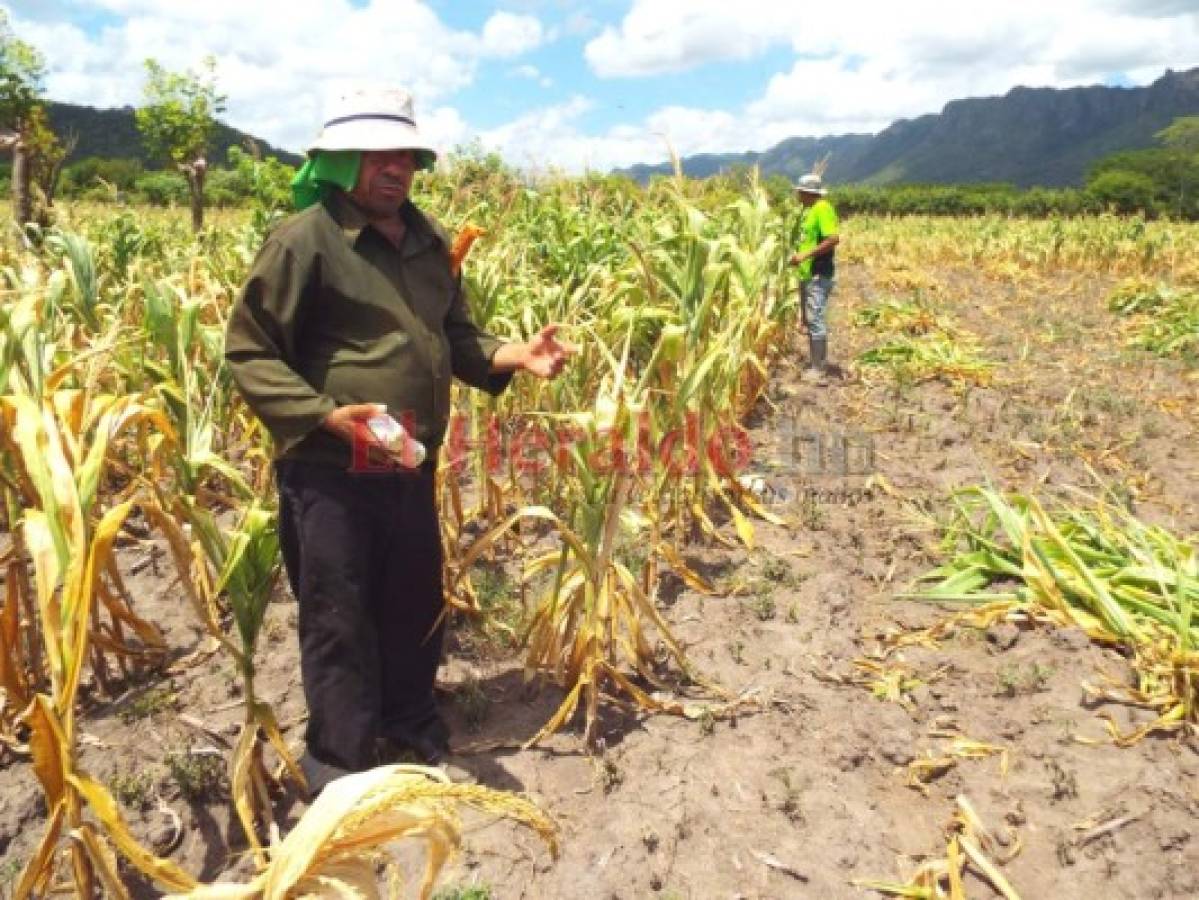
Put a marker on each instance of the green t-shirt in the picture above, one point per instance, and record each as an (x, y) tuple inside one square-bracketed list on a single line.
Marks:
[(819, 222)]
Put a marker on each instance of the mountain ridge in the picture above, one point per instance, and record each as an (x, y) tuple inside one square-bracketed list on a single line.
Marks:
[(1029, 137), (112, 133)]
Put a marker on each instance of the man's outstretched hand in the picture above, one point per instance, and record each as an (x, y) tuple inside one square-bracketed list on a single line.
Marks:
[(547, 354), (543, 355)]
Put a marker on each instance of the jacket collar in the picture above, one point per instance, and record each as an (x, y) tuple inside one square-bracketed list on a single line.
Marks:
[(352, 221)]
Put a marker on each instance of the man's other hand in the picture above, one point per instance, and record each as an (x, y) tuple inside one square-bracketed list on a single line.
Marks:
[(350, 420)]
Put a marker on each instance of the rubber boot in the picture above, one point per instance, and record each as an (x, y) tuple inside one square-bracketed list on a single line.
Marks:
[(817, 360), (819, 348)]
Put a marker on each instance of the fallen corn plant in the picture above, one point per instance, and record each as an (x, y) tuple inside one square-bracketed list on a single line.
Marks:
[(1096, 567), (1161, 319), (337, 847), (892, 680), (957, 747), (912, 318), (955, 359), (969, 844), (920, 345)]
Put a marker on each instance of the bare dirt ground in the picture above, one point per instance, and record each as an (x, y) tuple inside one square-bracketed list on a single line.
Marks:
[(807, 788)]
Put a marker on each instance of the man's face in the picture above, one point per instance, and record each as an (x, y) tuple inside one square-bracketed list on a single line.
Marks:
[(807, 198), (384, 180)]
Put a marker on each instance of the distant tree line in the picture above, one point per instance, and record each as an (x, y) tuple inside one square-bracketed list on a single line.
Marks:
[(1161, 181), (1158, 182), (243, 180)]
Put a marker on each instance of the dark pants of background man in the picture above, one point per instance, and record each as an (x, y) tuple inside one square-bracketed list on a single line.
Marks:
[(363, 555)]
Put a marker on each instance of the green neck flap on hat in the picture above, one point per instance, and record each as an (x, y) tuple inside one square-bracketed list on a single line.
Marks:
[(322, 170)]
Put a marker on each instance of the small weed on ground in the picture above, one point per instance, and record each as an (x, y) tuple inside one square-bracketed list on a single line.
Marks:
[(608, 774), (472, 701), (475, 892), (763, 607), (812, 514), (788, 803), (132, 788), (503, 612), (737, 652), (776, 569), (9, 870), (149, 703), (1015, 679), (200, 776)]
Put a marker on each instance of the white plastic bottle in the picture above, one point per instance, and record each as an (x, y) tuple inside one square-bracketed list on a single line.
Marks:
[(404, 448)]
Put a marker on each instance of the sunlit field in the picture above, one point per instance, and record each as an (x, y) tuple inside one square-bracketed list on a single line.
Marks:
[(927, 631)]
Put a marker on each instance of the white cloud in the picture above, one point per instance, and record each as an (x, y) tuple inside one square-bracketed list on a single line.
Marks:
[(659, 36), (446, 128), (550, 138), (871, 62), (925, 38), (532, 73), (279, 69), (506, 34), (1151, 8), (855, 67)]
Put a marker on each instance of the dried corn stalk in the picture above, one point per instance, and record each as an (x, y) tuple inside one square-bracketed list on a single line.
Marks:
[(337, 848)]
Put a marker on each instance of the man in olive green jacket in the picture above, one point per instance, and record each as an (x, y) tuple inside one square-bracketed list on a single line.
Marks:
[(353, 303)]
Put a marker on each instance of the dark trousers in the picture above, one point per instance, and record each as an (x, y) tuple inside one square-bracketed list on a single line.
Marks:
[(363, 555)]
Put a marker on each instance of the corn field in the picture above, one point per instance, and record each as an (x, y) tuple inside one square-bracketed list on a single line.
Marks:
[(119, 427)]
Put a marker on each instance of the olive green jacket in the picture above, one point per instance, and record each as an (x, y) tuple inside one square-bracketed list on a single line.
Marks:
[(332, 313)]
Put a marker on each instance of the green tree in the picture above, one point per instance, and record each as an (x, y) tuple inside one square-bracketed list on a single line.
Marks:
[(1124, 191), (177, 122), (22, 71), (103, 177), (1181, 134), (46, 153), (1182, 137), (1173, 174)]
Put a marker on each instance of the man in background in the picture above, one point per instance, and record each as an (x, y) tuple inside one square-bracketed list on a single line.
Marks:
[(819, 236)]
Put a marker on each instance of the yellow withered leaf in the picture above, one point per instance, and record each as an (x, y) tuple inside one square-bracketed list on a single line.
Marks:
[(82, 584), (240, 787), (47, 744), (954, 854), (40, 869), (998, 881), (12, 671), (162, 871), (333, 849), (103, 860), (40, 543)]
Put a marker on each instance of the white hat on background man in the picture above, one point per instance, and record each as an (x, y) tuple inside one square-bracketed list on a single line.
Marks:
[(811, 184)]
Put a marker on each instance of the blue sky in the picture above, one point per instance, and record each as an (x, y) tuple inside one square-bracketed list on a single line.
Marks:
[(571, 85)]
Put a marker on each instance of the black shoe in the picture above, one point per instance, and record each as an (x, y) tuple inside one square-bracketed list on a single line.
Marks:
[(318, 774), (428, 741)]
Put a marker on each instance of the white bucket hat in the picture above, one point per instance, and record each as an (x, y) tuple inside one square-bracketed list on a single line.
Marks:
[(811, 184), (373, 119)]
